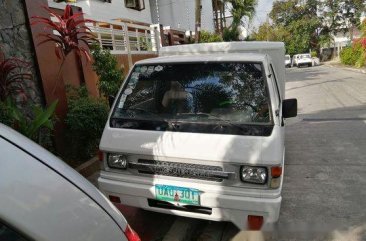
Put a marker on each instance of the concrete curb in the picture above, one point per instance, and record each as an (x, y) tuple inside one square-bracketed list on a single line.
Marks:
[(89, 168), (363, 71)]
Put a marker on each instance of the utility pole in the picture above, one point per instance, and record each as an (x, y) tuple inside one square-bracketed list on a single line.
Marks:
[(198, 21), (267, 21), (216, 16)]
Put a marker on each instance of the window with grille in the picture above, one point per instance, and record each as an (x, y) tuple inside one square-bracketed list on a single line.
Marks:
[(135, 4)]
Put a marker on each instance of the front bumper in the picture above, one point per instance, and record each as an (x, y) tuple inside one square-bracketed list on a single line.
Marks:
[(225, 205), (305, 63)]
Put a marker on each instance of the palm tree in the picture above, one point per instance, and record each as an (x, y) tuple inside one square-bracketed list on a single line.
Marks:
[(240, 9)]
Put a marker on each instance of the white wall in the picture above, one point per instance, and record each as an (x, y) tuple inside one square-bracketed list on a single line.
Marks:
[(180, 14), (100, 10)]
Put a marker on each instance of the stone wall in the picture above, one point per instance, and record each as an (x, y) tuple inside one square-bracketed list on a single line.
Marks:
[(16, 41)]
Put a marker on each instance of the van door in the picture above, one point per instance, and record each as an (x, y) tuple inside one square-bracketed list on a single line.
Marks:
[(277, 95)]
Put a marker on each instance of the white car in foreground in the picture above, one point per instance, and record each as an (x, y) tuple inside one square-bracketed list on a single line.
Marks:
[(43, 199)]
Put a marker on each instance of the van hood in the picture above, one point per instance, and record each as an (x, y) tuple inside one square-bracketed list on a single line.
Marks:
[(195, 146)]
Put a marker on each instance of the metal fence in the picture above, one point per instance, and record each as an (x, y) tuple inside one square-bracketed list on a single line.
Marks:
[(124, 38)]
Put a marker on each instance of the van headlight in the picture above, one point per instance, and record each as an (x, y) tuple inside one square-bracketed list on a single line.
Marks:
[(117, 161), (253, 174)]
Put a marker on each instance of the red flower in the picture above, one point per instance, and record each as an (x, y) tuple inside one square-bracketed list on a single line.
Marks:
[(360, 41)]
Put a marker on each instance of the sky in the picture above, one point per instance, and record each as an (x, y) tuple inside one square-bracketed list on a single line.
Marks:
[(263, 8)]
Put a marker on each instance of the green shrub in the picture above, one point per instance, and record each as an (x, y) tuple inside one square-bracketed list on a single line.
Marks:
[(230, 34), (314, 54), (85, 121), (5, 114), (361, 61), (348, 56), (207, 37), (354, 56), (106, 67), (36, 125)]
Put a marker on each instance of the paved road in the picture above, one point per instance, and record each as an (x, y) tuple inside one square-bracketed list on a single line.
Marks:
[(325, 171), (324, 192)]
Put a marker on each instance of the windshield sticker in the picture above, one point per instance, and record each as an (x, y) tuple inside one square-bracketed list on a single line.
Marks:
[(159, 68), (134, 79), (128, 91), (122, 100), (143, 69), (150, 69), (132, 84)]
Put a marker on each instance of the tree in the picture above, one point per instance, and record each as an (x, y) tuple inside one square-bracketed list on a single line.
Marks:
[(242, 8), (350, 11), (284, 12), (271, 32), (239, 10), (106, 66), (301, 20)]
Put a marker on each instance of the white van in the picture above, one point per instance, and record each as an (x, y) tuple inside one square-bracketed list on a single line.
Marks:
[(199, 132)]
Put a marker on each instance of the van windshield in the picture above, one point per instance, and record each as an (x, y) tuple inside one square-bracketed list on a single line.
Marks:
[(195, 97)]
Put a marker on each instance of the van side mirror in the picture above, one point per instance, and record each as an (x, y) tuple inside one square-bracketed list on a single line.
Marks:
[(289, 108), (110, 100)]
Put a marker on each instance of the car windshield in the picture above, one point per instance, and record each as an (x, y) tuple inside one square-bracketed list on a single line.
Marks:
[(305, 56), (229, 93), (287, 57)]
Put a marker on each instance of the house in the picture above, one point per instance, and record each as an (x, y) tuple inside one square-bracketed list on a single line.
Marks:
[(340, 39), (181, 14), (122, 26), (107, 10)]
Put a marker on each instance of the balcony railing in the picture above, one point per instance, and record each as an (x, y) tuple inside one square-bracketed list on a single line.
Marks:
[(127, 38)]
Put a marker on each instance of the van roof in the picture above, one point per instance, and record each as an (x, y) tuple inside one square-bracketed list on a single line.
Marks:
[(227, 57), (222, 47)]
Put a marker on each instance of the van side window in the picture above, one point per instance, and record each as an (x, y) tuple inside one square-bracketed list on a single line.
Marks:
[(9, 234)]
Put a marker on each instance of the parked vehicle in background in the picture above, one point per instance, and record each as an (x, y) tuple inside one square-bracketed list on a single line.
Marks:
[(304, 60), (316, 61), (44, 199), (294, 60), (199, 132), (287, 61)]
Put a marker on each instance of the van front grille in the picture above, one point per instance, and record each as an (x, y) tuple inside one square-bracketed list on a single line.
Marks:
[(182, 170)]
